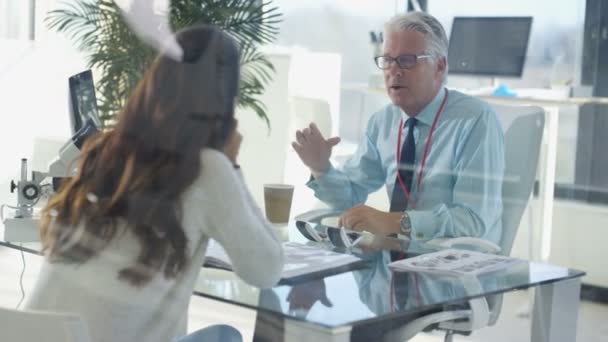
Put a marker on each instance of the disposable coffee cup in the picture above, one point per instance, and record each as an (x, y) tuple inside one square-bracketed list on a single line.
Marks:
[(277, 201)]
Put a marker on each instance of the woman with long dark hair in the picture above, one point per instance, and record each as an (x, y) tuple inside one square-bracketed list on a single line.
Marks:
[(124, 239)]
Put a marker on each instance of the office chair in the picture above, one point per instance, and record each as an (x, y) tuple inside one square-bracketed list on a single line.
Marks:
[(36, 326)]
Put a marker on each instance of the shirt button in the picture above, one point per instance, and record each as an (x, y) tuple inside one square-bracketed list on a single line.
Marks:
[(419, 235)]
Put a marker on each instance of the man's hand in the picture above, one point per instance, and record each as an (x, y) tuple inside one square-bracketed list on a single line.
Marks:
[(313, 149), (303, 296), (362, 217)]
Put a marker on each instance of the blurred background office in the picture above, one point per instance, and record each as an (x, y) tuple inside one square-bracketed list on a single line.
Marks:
[(325, 73)]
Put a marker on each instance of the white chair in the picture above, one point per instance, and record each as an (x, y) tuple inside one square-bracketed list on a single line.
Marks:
[(524, 129), (36, 326)]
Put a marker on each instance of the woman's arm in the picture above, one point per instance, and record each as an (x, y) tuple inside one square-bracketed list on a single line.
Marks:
[(237, 223)]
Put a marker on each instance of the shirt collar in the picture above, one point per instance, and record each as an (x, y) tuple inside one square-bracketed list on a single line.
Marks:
[(427, 115)]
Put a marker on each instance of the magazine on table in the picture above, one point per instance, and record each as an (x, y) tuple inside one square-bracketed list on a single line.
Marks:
[(455, 262), (300, 260)]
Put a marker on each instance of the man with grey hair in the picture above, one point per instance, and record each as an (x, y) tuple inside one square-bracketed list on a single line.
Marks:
[(439, 152)]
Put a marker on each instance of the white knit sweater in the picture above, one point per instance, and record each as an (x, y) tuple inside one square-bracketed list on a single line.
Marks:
[(217, 206)]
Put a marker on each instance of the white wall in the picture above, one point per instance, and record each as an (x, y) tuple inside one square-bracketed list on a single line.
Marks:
[(12, 13), (266, 156), (337, 26), (263, 151)]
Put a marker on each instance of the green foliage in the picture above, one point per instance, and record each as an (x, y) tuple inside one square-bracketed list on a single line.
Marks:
[(98, 29)]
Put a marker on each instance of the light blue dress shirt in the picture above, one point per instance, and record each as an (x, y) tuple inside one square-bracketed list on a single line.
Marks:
[(460, 191)]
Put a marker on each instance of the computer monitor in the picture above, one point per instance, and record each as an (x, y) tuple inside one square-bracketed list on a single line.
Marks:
[(83, 102), (489, 46)]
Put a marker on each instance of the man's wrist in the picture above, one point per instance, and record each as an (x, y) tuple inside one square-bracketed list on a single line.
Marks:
[(405, 225), (319, 173), (316, 174), (394, 227)]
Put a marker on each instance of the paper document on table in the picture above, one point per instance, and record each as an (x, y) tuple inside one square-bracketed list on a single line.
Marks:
[(454, 262), (300, 259)]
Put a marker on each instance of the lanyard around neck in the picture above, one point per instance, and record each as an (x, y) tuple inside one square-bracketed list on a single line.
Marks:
[(426, 151)]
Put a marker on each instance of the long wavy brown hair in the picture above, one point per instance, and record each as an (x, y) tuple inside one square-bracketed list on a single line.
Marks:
[(137, 172)]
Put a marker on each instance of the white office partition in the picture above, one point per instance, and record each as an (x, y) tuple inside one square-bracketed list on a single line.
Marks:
[(263, 151)]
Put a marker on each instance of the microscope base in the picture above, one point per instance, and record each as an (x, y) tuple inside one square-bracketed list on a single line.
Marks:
[(21, 230)]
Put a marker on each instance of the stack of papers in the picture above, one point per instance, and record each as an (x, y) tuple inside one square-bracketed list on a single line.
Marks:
[(300, 260), (454, 262)]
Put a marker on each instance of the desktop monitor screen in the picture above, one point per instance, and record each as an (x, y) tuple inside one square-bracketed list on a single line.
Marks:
[(492, 46), (83, 103)]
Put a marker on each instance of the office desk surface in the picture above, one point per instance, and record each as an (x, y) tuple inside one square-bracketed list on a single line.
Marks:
[(370, 293)]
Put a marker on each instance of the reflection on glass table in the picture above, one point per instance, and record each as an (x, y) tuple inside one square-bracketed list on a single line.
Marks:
[(372, 303)]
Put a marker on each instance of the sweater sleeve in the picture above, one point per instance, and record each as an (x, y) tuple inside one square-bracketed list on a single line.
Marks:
[(237, 223)]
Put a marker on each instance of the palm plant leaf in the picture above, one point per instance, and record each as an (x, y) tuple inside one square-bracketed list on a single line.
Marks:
[(98, 29)]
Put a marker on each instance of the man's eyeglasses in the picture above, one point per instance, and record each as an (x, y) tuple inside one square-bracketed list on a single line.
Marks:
[(403, 61)]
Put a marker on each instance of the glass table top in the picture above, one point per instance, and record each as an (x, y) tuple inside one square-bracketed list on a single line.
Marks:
[(372, 290), (369, 292)]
